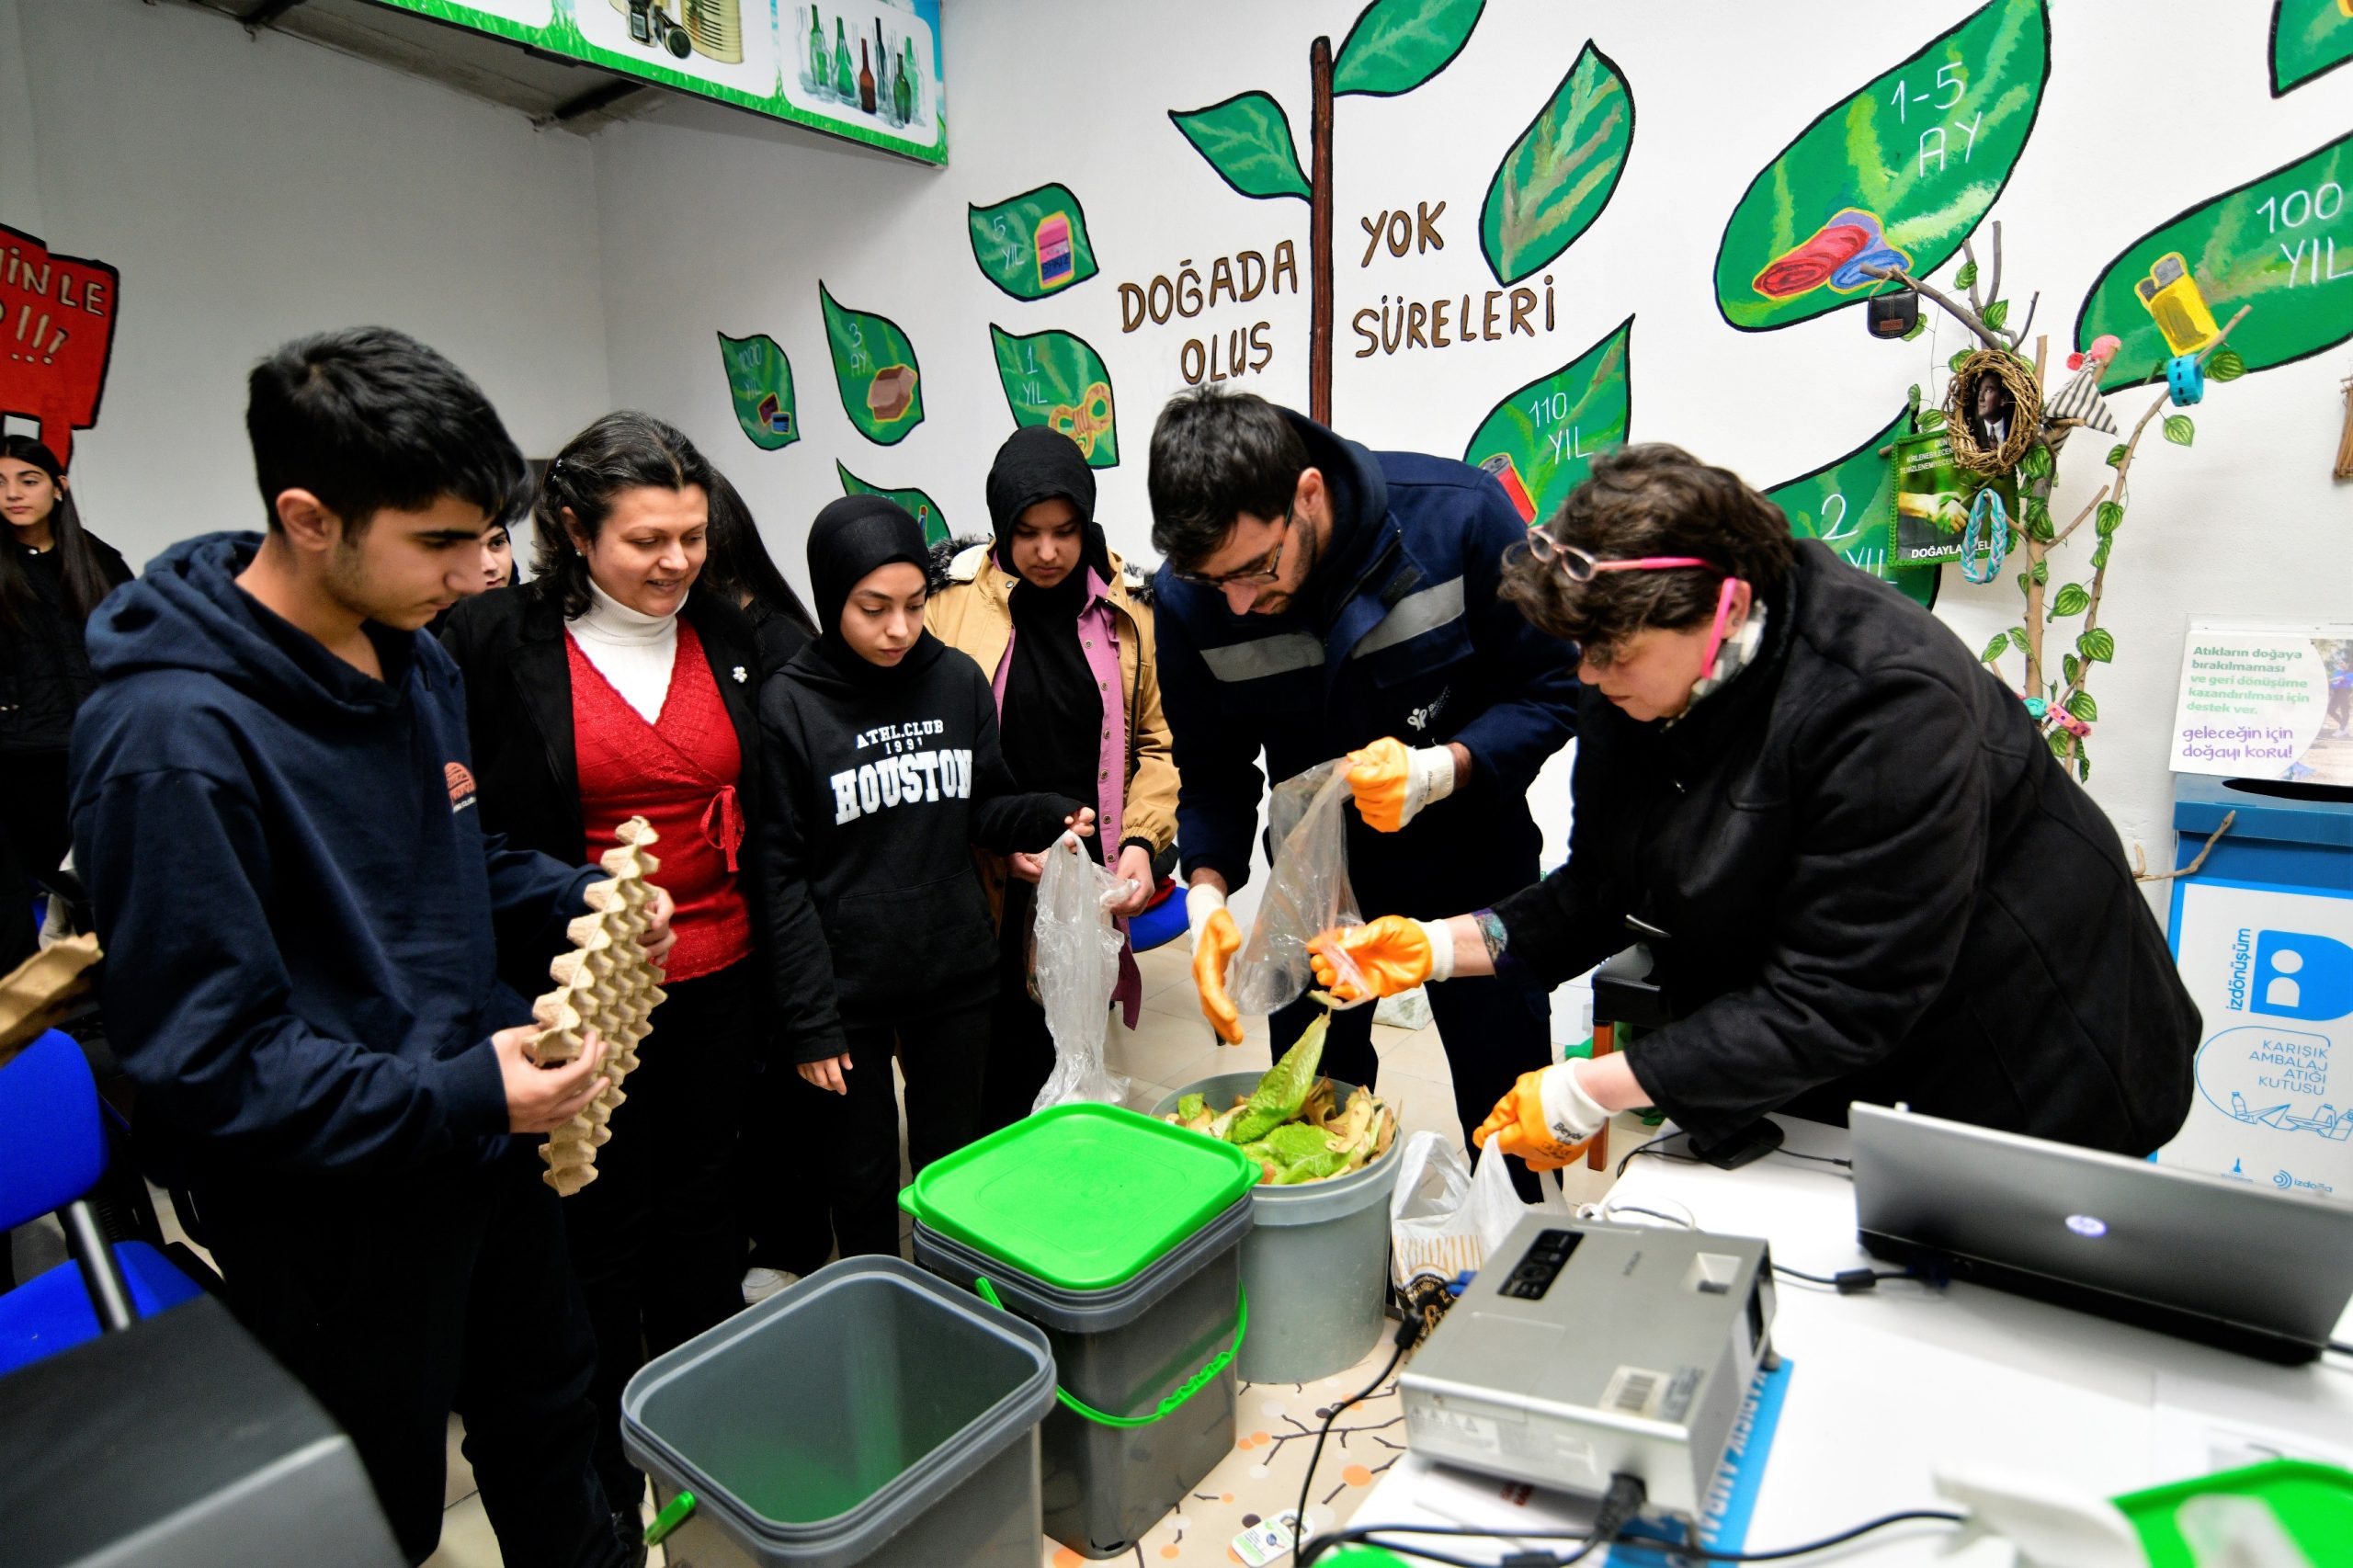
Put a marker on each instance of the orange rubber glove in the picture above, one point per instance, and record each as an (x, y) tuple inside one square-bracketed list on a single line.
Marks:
[(1519, 1124), (1392, 784), (1390, 955), (1216, 938)]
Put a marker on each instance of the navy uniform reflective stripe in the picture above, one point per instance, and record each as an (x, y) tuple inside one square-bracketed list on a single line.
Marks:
[(1278, 654), (1426, 610)]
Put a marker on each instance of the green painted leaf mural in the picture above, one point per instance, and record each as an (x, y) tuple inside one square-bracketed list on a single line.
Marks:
[(1562, 172), (1033, 244), (874, 365), (760, 378), (2308, 37), (1845, 503), (1549, 429), (2283, 242), (1057, 379), (1246, 139), (1394, 46), (919, 504), (1898, 174)]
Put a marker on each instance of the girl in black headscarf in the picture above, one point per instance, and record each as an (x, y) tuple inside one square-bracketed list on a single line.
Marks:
[(1047, 612), (883, 768)]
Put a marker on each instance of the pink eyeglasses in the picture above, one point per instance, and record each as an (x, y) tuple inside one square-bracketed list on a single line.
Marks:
[(1582, 566)]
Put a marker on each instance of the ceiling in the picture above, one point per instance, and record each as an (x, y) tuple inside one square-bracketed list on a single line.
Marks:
[(553, 92)]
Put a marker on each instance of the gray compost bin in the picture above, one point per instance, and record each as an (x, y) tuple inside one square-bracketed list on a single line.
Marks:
[(868, 1415), (1316, 1260), (1138, 1354)]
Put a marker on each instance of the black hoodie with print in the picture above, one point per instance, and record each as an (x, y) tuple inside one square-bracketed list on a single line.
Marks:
[(878, 782)]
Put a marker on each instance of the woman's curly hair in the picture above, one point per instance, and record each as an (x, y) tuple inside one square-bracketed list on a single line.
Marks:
[(1654, 499)]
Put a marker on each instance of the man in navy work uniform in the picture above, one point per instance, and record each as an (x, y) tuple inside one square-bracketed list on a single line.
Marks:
[(304, 920), (1320, 600)]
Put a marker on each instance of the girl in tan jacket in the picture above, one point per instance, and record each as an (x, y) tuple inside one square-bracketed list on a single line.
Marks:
[(1066, 644)]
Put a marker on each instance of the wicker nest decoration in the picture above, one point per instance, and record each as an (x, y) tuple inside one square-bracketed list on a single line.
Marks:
[(1972, 445)]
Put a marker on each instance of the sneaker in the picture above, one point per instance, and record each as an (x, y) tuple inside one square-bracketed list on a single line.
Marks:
[(759, 1284)]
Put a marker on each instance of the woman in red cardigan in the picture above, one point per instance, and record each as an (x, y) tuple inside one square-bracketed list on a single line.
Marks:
[(609, 686)]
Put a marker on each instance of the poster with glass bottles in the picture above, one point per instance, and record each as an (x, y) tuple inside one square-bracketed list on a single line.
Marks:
[(867, 66), (868, 69)]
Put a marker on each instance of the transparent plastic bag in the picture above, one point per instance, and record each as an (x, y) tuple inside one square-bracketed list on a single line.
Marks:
[(1307, 892), (1076, 964), (1443, 1218)]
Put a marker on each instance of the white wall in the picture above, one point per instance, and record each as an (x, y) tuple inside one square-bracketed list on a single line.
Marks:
[(251, 189), (2245, 522)]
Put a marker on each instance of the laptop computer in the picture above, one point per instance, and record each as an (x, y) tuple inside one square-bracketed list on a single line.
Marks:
[(2265, 1273)]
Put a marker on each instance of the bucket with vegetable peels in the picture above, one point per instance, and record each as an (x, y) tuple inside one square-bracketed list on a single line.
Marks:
[(1315, 1262)]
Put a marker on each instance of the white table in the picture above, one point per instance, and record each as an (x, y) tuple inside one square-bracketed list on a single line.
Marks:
[(1891, 1383)]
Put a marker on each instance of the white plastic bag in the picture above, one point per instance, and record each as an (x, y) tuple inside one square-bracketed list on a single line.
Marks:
[(1076, 962), (1307, 892), (1443, 1219)]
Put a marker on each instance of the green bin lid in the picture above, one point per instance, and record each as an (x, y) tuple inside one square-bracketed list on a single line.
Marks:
[(1081, 1197)]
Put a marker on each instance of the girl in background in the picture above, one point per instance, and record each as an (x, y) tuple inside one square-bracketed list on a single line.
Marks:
[(882, 770), (52, 574), (741, 568)]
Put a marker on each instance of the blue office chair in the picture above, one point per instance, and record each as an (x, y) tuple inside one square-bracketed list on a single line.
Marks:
[(53, 1152)]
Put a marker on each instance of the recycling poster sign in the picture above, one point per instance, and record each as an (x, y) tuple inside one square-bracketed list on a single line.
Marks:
[(2271, 971)]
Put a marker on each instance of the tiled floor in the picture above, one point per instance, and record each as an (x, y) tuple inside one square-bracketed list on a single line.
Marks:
[(1170, 1049)]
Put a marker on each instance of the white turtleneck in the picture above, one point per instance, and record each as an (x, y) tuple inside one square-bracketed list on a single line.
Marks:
[(630, 649)]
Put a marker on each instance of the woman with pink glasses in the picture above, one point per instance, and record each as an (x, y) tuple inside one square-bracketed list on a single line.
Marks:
[(1862, 873)]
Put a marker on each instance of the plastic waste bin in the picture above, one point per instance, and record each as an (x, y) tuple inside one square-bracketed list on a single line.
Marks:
[(868, 1414), (1316, 1260), (1119, 1236), (2263, 935)]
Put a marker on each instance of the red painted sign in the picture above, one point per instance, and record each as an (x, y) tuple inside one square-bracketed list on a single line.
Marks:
[(56, 334)]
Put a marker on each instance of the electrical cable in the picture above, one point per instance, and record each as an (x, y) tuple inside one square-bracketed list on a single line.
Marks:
[(1368, 1535), (1652, 1148), (1409, 1330), (1817, 1159), (2341, 1347), (1848, 1281), (1611, 1211)]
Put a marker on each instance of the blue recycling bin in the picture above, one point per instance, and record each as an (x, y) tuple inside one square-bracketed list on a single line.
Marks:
[(2263, 934)]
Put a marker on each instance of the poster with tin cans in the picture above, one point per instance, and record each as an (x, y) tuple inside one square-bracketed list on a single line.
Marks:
[(867, 70)]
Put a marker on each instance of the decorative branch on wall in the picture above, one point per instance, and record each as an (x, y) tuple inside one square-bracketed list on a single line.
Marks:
[(1542, 438), (874, 365), (1846, 504), (2344, 469), (2269, 243), (1057, 379), (1895, 174), (1033, 244), (2063, 708), (918, 502), (2309, 37), (1561, 171), (1393, 47), (759, 379)]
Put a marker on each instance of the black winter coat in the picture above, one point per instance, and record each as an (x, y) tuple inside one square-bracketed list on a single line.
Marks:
[(509, 645), (44, 669), (1877, 884)]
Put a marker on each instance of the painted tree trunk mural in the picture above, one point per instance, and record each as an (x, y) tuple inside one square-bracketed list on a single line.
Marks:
[(1393, 47)]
